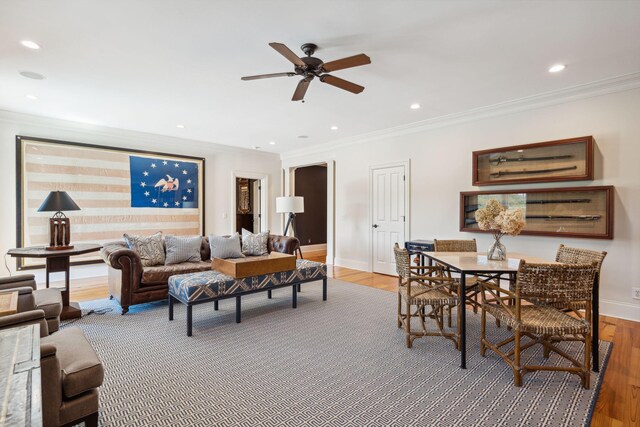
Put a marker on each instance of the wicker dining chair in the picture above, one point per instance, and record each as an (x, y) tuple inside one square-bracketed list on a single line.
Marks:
[(568, 255), (416, 292), (473, 284), (542, 286)]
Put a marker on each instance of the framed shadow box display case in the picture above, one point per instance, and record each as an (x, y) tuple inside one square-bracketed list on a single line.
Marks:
[(552, 161), (564, 212)]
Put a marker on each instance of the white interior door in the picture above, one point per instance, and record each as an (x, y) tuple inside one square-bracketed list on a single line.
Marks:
[(388, 215)]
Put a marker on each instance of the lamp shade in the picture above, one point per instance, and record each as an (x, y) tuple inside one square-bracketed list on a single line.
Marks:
[(58, 201), (287, 204)]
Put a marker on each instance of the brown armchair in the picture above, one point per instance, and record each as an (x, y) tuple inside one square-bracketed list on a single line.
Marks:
[(30, 298), (70, 371)]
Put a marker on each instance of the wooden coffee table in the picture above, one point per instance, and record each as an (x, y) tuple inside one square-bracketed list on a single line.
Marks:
[(8, 303), (58, 261)]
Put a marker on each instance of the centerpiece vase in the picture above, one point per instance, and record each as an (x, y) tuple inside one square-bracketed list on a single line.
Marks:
[(497, 251)]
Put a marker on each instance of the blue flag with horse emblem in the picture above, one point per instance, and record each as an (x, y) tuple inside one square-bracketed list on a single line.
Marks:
[(163, 183)]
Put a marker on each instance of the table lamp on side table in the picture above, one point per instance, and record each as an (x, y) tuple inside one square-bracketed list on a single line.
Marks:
[(291, 205), (59, 224)]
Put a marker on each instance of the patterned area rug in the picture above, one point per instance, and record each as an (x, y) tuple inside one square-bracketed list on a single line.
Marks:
[(334, 363)]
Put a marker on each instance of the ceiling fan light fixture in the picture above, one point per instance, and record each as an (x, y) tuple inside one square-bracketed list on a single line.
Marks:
[(334, 127), (415, 106)]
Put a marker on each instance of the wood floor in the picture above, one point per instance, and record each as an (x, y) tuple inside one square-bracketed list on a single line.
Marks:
[(619, 400)]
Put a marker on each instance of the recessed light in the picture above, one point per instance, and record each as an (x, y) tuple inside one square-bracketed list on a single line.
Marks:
[(557, 68), (32, 97), (334, 127), (415, 106), (31, 75), (30, 44), (180, 126), (272, 143)]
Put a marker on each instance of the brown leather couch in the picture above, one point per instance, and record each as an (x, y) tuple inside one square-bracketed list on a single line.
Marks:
[(130, 283)]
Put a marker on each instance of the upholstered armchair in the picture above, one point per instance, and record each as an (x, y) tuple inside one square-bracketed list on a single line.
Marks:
[(30, 298), (70, 371)]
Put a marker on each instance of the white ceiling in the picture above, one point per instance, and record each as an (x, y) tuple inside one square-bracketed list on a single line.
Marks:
[(148, 65)]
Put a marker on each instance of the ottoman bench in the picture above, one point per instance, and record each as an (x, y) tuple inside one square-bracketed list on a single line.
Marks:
[(206, 286)]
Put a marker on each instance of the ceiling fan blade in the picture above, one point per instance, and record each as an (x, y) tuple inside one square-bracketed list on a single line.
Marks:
[(352, 61), (287, 53), (267, 76), (341, 83), (301, 90)]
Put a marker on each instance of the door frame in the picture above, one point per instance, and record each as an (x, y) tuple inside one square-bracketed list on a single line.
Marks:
[(264, 199), (407, 201), (289, 167)]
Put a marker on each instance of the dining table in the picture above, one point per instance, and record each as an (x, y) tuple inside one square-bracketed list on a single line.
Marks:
[(477, 264)]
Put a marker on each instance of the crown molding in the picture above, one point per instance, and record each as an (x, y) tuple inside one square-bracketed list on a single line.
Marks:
[(588, 90), (121, 137)]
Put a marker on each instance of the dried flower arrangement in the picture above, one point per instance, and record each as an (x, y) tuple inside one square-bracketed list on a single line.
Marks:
[(500, 221)]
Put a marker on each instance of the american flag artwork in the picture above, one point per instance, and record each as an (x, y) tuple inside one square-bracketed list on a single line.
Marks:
[(107, 186), (163, 183)]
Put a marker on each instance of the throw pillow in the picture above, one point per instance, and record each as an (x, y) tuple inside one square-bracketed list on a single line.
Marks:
[(225, 247), (182, 249), (254, 244), (149, 248)]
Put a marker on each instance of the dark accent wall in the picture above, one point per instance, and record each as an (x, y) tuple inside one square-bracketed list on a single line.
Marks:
[(311, 183)]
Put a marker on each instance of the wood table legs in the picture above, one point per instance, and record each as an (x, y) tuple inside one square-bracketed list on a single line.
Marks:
[(462, 317), (70, 310)]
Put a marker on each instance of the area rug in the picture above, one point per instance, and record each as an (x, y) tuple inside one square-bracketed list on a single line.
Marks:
[(335, 363)]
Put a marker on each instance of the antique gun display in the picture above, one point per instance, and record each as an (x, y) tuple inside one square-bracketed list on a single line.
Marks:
[(502, 159), (530, 172), (470, 221), (473, 208)]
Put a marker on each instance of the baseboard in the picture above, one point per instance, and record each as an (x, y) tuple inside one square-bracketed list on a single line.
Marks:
[(620, 310), (351, 263)]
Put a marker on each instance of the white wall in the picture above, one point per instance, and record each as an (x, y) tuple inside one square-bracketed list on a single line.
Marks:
[(441, 168), (220, 162)]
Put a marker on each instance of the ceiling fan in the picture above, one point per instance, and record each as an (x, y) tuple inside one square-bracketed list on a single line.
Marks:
[(309, 67)]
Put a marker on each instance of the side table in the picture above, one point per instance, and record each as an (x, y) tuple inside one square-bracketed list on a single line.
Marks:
[(58, 261)]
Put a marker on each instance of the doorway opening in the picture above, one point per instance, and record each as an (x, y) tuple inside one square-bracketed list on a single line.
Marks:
[(248, 213), (310, 182)]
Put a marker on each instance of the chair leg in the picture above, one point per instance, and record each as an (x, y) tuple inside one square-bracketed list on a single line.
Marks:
[(407, 325), (483, 326), (399, 311), (449, 320), (517, 373), (586, 369), (90, 420), (546, 349)]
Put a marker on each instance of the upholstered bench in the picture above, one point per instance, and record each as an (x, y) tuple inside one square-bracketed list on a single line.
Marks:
[(206, 286)]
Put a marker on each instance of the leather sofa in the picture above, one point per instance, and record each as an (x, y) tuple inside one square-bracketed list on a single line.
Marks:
[(130, 283)]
